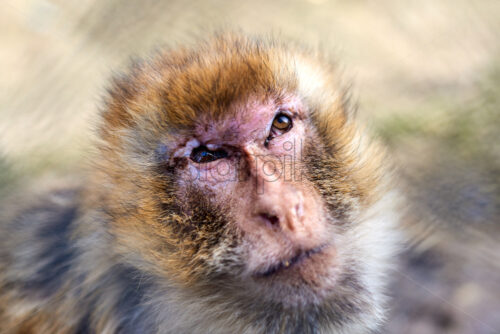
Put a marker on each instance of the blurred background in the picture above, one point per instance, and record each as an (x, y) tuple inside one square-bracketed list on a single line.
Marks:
[(425, 74)]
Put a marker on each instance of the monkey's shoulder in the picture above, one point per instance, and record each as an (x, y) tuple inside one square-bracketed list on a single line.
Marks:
[(36, 248), (51, 268)]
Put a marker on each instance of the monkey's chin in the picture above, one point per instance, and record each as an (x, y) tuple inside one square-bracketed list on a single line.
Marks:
[(308, 277)]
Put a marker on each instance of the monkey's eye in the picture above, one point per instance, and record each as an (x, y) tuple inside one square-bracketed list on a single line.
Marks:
[(281, 124), (202, 154)]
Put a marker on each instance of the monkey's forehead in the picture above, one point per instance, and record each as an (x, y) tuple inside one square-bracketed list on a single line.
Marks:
[(180, 86)]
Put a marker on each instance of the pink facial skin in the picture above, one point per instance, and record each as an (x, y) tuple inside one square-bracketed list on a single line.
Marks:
[(279, 212)]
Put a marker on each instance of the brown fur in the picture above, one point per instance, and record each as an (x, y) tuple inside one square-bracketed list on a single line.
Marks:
[(123, 253)]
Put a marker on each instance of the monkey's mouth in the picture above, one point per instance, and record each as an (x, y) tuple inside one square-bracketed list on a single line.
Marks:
[(299, 257)]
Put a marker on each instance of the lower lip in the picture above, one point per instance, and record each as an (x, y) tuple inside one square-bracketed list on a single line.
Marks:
[(293, 262)]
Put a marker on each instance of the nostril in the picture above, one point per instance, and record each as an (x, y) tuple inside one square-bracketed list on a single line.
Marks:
[(273, 220)]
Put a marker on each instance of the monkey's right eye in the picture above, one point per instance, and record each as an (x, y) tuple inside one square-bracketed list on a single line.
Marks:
[(202, 154)]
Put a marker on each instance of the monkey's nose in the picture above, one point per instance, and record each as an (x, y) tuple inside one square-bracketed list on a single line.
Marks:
[(271, 219), (282, 211)]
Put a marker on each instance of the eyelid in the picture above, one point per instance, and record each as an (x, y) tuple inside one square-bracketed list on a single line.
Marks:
[(185, 151), (285, 112), (213, 147)]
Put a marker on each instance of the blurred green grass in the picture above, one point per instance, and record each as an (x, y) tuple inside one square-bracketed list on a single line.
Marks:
[(469, 130), (452, 154)]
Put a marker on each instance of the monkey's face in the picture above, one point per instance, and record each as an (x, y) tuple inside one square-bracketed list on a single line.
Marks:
[(240, 175), (253, 168)]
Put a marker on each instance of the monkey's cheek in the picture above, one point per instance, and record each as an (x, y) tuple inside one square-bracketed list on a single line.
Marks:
[(217, 175)]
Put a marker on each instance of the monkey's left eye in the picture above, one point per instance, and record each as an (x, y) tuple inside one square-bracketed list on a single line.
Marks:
[(281, 124), (202, 154)]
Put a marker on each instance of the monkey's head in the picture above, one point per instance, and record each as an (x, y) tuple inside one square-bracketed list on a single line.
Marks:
[(235, 175)]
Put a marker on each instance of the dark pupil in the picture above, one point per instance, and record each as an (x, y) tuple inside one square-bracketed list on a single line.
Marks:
[(282, 122), (202, 154)]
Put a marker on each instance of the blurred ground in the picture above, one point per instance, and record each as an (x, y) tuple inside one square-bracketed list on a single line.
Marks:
[(426, 75)]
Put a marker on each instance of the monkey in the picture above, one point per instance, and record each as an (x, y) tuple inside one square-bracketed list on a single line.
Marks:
[(232, 190)]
